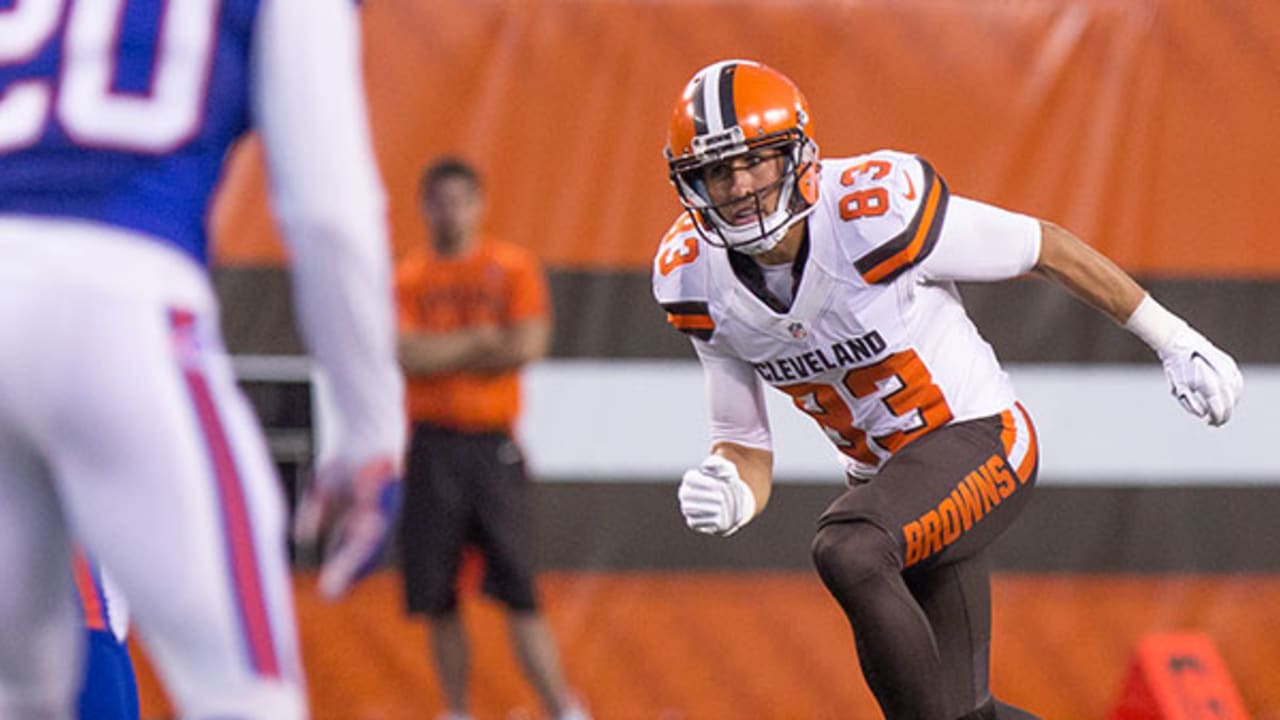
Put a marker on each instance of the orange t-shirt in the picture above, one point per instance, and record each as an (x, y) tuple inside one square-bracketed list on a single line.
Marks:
[(497, 283)]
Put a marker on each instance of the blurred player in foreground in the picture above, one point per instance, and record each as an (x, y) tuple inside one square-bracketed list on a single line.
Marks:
[(120, 421), (834, 281)]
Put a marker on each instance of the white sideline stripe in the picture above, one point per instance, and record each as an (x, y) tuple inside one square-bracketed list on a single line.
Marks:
[(1108, 424), (641, 420)]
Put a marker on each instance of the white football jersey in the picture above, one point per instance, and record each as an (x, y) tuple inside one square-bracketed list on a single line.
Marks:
[(875, 344)]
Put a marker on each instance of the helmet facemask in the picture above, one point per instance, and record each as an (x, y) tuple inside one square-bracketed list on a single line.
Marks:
[(796, 187)]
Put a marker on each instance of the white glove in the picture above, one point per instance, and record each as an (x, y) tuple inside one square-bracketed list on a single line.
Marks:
[(714, 499), (357, 509), (1204, 379)]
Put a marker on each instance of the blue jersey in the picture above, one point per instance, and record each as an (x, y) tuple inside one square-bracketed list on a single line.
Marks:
[(122, 111)]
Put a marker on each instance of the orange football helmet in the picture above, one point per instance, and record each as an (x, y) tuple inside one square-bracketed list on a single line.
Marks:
[(730, 108)]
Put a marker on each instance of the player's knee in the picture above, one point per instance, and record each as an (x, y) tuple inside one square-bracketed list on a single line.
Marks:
[(847, 553)]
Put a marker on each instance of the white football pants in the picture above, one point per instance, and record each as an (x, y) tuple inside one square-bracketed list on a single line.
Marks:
[(121, 426)]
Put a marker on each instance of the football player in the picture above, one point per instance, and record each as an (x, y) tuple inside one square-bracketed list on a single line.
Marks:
[(833, 280), (120, 421)]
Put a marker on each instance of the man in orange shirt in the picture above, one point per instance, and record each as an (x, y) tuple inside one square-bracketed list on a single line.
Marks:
[(473, 311)]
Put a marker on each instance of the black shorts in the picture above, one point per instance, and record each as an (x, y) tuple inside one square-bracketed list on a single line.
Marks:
[(464, 489), (950, 493)]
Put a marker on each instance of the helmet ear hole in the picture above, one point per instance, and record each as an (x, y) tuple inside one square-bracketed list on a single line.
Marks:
[(807, 172), (807, 186)]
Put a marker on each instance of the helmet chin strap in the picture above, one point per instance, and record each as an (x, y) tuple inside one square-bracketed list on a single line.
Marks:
[(758, 238), (762, 243)]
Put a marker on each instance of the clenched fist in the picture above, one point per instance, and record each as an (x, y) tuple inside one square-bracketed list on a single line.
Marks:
[(714, 499)]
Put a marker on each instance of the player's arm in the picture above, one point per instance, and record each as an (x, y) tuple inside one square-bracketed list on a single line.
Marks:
[(523, 337), (483, 349), (980, 242), (1087, 273), (755, 467), (329, 201), (428, 353), (733, 484), (1203, 378), (309, 106)]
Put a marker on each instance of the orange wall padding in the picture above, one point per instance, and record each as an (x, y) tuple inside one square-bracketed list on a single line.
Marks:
[(1146, 126)]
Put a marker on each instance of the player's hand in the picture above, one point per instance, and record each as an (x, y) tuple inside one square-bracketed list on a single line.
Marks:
[(357, 511), (714, 499), (1203, 378)]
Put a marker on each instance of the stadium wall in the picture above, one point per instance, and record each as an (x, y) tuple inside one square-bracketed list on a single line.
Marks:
[(1145, 126), (1128, 481)]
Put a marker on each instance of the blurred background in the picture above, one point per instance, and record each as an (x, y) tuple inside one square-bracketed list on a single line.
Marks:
[(1148, 127)]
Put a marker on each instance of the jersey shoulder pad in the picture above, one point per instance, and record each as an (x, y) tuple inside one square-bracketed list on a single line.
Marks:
[(890, 207), (680, 279)]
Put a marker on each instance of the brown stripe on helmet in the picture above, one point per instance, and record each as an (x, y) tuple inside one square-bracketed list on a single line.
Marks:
[(728, 114)]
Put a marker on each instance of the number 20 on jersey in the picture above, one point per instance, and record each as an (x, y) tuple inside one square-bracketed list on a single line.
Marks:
[(81, 98)]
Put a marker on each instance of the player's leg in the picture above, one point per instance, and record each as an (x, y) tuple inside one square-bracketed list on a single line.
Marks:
[(168, 482), (957, 600), (502, 511), (40, 637), (950, 492), (535, 648), (451, 654), (433, 527), (954, 586), (860, 565)]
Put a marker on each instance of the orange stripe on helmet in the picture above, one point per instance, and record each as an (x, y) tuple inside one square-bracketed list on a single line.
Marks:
[(761, 101), (767, 102)]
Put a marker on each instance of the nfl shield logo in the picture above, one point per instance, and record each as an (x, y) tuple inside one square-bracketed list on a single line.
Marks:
[(797, 331)]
